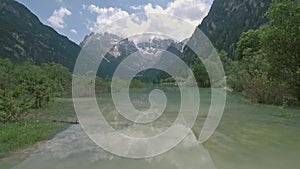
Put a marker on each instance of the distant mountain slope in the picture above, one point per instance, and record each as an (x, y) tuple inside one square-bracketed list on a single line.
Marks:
[(121, 48), (24, 37), (227, 20), (150, 50)]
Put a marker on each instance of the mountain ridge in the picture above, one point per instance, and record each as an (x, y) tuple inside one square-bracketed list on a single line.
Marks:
[(25, 37), (227, 20), (150, 49)]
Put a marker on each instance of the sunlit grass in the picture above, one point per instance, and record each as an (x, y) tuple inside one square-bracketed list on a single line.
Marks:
[(26, 133), (37, 126)]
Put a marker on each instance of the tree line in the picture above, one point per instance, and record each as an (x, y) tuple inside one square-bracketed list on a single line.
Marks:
[(266, 67), (29, 86)]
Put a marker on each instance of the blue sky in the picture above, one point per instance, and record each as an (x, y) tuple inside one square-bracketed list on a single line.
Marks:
[(77, 18)]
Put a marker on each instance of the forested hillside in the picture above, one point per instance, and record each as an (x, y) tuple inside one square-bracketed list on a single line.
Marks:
[(258, 44), (23, 37), (267, 66), (227, 20)]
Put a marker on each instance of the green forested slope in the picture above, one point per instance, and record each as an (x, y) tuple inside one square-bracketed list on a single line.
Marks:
[(24, 37)]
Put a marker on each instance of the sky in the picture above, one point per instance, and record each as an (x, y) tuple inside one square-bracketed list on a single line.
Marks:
[(78, 18)]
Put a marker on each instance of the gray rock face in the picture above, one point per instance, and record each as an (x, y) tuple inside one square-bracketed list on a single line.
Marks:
[(150, 49)]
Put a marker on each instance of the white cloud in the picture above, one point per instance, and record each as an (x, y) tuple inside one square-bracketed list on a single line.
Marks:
[(150, 9), (73, 31), (191, 10), (93, 8), (105, 16), (156, 19), (139, 7), (57, 18), (60, 1)]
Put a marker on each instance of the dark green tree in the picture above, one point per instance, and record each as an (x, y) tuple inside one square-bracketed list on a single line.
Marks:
[(27, 85), (281, 41), (201, 74), (266, 68)]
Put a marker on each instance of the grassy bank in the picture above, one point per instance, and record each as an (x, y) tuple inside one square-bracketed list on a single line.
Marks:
[(26, 133), (37, 126)]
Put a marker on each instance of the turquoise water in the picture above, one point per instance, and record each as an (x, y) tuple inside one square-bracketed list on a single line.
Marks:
[(249, 136), (256, 136)]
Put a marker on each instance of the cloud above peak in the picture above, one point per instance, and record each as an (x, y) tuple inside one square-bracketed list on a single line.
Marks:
[(105, 16), (186, 11), (57, 18), (190, 10)]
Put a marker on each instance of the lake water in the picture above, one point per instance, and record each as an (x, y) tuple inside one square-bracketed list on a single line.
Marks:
[(248, 137)]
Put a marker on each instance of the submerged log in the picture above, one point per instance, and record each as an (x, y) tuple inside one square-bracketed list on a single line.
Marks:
[(64, 121)]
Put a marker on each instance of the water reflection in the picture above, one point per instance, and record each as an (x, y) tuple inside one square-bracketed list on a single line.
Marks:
[(73, 149)]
